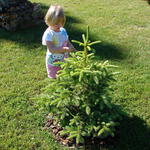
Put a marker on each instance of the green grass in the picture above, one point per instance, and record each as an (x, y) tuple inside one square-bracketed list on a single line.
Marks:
[(123, 27)]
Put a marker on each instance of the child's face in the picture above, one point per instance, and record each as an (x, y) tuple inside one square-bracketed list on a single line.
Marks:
[(56, 27)]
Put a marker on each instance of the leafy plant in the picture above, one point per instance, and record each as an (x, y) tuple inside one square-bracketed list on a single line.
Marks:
[(79, 99)]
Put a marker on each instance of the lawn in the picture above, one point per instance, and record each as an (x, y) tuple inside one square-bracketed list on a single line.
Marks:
[(124, 29)]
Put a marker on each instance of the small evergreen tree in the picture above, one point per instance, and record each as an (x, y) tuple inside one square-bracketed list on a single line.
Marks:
[(79, 98)]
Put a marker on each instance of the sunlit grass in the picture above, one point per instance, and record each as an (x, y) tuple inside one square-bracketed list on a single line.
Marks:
[(123, 27)]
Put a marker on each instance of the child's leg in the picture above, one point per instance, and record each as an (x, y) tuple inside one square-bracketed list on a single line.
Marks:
[(52, 71)]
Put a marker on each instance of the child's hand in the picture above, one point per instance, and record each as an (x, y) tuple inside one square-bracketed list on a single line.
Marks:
[(69, 45), (68, 49), (65, 44)]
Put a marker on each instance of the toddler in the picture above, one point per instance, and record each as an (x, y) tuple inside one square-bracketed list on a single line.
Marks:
[(56, 39)]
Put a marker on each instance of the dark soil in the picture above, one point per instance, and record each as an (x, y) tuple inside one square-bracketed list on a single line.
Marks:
[(89, 144)]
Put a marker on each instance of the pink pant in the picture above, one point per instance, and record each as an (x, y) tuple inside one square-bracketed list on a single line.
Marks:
[(52, 71)]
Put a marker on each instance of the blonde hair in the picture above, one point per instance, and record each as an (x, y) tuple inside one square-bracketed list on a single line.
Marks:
[(55, 15)]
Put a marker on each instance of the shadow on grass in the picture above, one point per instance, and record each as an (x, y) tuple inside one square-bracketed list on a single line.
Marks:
[(104, 50), (134, 135), (31, 38), (148, 1)]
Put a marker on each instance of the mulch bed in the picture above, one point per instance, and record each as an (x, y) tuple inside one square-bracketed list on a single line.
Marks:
[(90, 142)]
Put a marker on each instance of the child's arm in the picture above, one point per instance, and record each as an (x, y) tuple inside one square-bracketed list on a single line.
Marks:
[(54, 49), (69, 44)]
